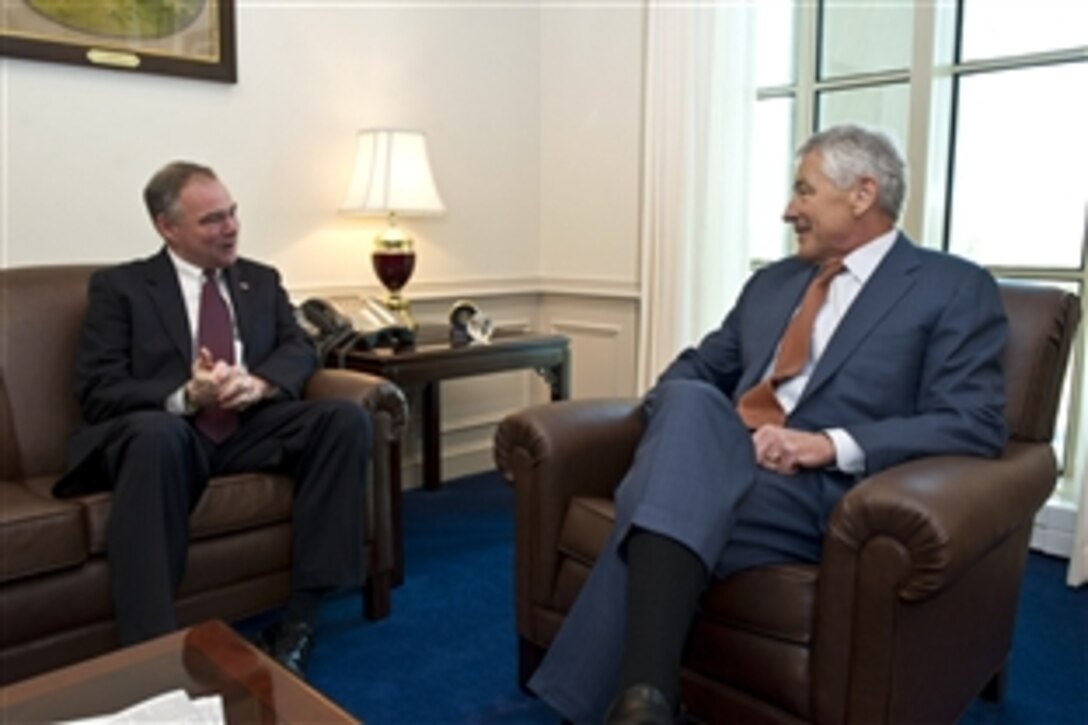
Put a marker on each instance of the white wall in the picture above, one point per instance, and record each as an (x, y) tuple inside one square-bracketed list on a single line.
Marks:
[(81, 142), (533, 113), (591, 177), (591, 110)]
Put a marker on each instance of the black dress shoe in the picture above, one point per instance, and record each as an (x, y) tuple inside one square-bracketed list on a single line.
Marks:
[(289, 643), (640, 705)]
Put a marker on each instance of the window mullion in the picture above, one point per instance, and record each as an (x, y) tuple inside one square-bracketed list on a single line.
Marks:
[(921, 126), (987, 65), (807, 65)]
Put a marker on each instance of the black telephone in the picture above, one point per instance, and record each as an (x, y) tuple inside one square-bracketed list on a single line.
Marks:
[(325, 316), (333, 330)]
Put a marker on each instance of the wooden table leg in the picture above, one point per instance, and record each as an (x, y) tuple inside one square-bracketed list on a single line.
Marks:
[(432, 437), (557, 377)]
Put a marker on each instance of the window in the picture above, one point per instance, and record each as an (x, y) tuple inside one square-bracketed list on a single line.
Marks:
[(1028, 158), (773, 169), (988, 100), (884, 106), (861, 38)]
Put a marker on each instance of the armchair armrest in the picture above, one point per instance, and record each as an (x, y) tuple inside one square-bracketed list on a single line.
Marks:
[(946, 512), (551, 453), (573, 447), (935, 530), (372, 392)]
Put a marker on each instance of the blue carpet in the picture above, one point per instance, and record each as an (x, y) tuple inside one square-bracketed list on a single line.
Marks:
[(1048, 670), (447, 654)]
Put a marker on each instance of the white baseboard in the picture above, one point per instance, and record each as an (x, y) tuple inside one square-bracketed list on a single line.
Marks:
[(455, 463), (1054, 530)]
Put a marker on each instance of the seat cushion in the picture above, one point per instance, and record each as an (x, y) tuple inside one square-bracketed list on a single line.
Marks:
[(229, 504), (740, 602), (773, 601), (586, 527), (38, 533), (763, 617)]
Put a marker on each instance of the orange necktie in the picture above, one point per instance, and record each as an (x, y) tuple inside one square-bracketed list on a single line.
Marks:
[(760, 406)]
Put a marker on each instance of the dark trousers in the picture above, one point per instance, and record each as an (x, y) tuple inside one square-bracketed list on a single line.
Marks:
[(159, 465)]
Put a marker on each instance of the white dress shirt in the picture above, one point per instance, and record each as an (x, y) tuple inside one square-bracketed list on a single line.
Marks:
[(191, 281), (845, 287)]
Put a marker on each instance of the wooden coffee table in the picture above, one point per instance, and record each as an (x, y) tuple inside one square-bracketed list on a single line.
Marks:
[(208, 659)]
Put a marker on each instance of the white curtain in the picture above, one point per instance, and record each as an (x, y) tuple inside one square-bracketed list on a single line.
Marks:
[(1077, 573), (698, 106), (1078, 562)]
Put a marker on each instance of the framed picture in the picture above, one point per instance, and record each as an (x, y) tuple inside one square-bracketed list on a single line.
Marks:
[(190, 38)]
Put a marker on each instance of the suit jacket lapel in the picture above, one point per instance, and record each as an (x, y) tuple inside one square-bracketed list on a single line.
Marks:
[(773, 321), (884, 289), (238, 284), (161, 280)]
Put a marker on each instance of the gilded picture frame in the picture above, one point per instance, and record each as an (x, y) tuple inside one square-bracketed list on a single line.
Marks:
[(187, 38)]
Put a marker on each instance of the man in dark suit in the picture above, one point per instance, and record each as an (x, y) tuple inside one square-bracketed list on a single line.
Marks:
[(191, 365), (754, 435)]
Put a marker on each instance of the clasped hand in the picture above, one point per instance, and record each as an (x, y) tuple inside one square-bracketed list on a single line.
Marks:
[(217, 383), (786, 451)]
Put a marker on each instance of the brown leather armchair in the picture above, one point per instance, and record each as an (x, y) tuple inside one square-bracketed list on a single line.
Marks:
[(55, 605), (908, 616)]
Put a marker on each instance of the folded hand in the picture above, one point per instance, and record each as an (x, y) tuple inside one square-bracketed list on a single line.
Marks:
[(786, 451)]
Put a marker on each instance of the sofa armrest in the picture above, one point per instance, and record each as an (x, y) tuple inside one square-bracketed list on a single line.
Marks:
[(552, 453), (374, 393), (387, 405)]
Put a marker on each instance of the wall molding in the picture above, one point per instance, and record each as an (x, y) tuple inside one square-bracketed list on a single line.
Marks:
[(466, 423), (603, 288), (597, 329), (422, 291), (521, 324)]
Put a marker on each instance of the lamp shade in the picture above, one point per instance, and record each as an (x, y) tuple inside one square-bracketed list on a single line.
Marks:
[(392, 174)]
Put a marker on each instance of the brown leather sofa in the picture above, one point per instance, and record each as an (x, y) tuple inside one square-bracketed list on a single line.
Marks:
[(55, 605), (908, 616)]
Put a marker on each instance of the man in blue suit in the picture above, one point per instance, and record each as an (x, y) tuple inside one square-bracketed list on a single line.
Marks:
[(744, 457), (191, 365)]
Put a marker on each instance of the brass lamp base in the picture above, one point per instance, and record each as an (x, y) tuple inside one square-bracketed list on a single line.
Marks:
[(394, 261)]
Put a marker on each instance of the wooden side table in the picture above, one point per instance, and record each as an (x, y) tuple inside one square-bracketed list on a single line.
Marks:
[(434, 359)]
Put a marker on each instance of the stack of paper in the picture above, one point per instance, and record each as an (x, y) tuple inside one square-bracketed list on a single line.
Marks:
[(172, 707)]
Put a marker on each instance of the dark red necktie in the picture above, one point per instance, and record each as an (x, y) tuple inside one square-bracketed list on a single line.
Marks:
[(760, 406), (215, 332)]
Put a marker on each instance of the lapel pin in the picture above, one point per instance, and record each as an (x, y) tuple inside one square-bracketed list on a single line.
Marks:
[(243, 285)]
